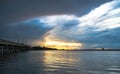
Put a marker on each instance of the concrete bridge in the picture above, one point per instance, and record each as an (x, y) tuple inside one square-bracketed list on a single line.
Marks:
[(7, 47)]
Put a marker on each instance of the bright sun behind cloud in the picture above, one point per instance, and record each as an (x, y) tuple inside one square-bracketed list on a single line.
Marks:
[(63, 45), (60, 44)]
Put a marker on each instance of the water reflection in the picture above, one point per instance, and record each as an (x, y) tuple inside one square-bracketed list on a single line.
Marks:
[(61, 62), (54, 60)]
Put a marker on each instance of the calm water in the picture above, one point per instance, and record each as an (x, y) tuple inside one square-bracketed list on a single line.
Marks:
[(61, 62)]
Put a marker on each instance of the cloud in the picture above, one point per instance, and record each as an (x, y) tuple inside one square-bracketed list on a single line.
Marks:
[(56, 20), (98, 28), (26, 31), (62, 20), (102, 17), (12, 11)]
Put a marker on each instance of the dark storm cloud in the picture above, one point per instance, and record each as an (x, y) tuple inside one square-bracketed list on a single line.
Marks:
[(102, 37), (69, 24), (24, 31), (16, 10)]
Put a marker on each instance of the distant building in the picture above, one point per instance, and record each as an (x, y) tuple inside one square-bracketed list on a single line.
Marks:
[(103, 49)]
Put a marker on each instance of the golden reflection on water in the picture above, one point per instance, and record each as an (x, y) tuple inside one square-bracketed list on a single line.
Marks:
[(54, 60)]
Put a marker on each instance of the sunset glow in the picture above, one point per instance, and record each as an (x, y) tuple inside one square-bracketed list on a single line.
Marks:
[(59, 44), (63, 45)]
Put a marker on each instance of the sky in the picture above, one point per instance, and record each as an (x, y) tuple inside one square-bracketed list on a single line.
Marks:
[(62, 24)]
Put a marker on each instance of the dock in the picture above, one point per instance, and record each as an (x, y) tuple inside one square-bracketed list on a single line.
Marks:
[(8, 47)]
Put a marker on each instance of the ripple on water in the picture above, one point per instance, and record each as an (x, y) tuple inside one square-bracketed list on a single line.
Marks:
[(113, 69)]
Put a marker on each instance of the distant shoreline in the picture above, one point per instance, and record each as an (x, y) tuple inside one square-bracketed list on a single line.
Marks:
[(73, 50)]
